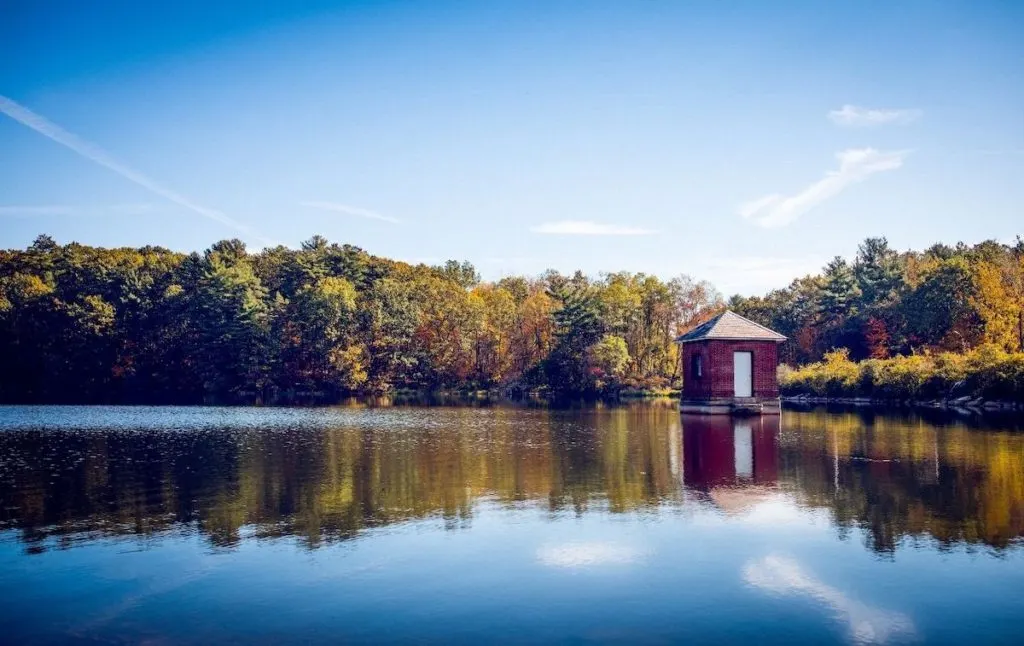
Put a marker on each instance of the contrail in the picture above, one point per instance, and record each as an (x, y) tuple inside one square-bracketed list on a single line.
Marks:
[(94, 153)]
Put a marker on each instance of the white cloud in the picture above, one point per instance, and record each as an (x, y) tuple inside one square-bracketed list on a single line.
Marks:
[(351, 210), (425, 260), (586, 554), (868, 624), (588, 228), (855, 165), (94, 153), (855, 116), (997, 152), (513, 260), (748, 209), (76, 210)]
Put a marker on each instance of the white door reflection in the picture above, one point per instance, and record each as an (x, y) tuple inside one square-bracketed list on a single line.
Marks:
[(743, 439)]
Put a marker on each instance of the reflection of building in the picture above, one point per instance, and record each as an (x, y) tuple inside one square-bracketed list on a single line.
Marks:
[(730, 364), (734, 460)]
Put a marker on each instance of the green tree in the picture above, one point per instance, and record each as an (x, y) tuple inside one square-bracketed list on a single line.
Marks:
[(230, 315), (320, 348), (609, 356), (878, 272), (577, 324), (940, 312)]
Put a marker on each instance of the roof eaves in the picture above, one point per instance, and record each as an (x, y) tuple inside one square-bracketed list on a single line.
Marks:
[(775, 339)]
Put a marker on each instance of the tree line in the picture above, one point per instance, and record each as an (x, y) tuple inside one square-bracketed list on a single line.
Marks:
[(887, 303), (89, 324), (946, 323)]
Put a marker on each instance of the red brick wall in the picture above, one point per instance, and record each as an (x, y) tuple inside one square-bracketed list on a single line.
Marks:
[(717, 360)]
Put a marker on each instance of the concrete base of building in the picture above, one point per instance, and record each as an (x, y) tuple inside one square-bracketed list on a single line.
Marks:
[(732, 406)]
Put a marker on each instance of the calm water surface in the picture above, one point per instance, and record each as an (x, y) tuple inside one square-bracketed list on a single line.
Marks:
[(506, 524)]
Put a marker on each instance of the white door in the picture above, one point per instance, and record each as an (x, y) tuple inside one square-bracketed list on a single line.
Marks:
[(742, 374)]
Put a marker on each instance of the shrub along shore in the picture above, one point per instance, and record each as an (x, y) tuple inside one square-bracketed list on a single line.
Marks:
[(984, 378)]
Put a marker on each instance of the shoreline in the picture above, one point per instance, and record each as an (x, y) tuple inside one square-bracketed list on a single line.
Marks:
[(965, 405)]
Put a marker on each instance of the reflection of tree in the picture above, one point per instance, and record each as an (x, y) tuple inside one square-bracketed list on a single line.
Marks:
[(896, 477), (329, 484), (900, 477)]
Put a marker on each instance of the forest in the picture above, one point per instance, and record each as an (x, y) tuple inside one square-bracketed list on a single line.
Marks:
[(944, 323), (87, 324), (327, 320)]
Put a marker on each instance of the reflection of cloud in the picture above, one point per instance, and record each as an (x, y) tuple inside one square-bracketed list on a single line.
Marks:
[(585, 554), (868, 625), (147, 592), (776, 511)]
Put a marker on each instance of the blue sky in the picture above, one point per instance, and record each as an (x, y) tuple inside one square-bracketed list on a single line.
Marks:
[(744, 143)]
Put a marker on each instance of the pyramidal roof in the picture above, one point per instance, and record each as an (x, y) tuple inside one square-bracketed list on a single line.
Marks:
[(730, 326)]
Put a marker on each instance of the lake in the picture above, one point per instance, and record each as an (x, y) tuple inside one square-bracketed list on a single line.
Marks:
[(510, 524)]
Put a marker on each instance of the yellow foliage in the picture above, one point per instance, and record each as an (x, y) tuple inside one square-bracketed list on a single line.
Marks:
[(987, 371), (996, 306), (352, 363)]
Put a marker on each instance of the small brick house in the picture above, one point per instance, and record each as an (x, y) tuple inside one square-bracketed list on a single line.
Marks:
[(729, 366)]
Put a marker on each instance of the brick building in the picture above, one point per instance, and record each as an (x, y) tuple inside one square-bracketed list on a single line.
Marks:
[(729, 366)]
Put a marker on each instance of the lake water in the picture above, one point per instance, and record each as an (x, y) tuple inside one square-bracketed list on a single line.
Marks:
[(507, 524)]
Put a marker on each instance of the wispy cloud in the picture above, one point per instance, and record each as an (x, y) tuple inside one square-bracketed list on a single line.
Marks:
[(94, 153), (856, 116), (76, 210), (749, 274), (510, 260), (997, 152), (425, 260), (588, 228), (855, 165), (351, 210), (868, 624)]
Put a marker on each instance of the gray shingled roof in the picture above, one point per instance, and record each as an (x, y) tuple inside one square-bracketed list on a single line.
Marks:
[(732, 327)]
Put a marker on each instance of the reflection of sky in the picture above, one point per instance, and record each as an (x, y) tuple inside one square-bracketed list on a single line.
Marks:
[(524, 575), (758, 507), (218, 418), (868, 624), (584, 554)]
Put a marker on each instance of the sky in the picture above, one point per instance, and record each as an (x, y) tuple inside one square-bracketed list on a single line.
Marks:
[(743, 143)]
